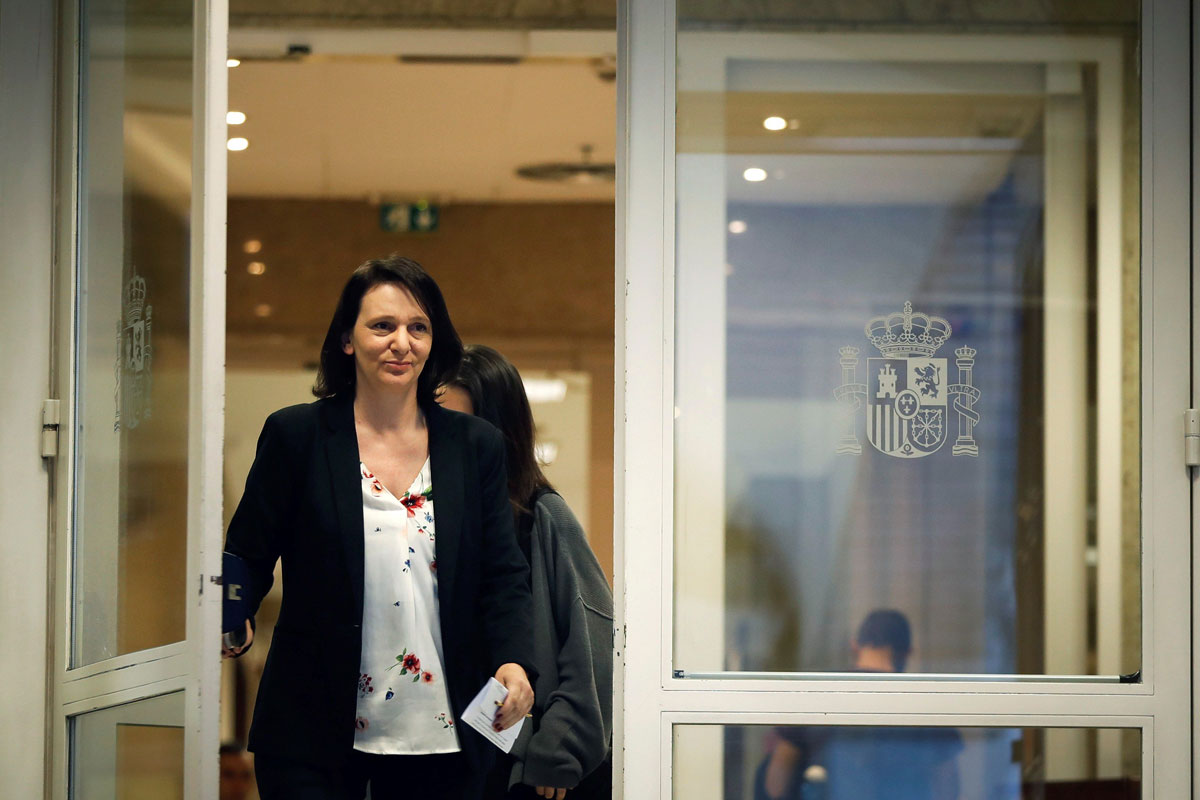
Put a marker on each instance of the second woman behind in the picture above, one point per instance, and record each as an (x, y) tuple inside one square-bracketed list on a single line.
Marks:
[(568, 744)]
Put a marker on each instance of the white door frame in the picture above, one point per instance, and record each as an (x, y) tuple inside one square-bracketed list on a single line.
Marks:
[(650, 698), (1195, 261), (27, 36), (193, 665)]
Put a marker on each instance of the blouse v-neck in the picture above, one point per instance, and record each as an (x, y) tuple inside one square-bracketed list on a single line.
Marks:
[(423, 470), (421, 473)]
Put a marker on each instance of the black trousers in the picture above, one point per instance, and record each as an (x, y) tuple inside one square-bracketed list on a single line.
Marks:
[(444, 775)]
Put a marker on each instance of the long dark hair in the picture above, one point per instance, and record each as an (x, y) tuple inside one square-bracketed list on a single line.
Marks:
[(336, 374), (498, 395)]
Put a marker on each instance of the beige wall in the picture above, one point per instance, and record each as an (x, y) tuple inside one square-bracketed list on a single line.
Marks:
[(533, 280)]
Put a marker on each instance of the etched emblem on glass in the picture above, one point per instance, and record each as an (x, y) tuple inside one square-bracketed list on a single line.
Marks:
[(909, 398), (134, 356)]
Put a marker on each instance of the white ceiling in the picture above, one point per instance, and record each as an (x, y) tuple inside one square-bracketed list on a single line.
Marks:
[(374, 127)]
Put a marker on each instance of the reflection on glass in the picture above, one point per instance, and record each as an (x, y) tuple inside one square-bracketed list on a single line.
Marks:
[(754, 762), (130, 515), (906, 361), (130, 752)]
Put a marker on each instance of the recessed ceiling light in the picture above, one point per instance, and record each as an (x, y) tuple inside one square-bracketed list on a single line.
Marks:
[(256, 268), (252, 246), (240, 143), (232, 62), (262, 310), (774, 123), (737, 226), (234, 118), (753, 174)]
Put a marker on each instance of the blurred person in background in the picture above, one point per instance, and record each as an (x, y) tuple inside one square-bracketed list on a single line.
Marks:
[(237, 773), (860, 762)]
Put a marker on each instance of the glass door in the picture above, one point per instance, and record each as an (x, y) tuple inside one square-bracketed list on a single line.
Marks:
[(139, 371), (906, 325)]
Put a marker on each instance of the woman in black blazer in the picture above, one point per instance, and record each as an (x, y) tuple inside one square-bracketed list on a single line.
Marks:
[(322, 469)]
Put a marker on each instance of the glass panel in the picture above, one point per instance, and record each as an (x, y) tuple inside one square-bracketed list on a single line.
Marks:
[(129, 752), (907, 343), (759, 762), (135, 171), (149, 761)]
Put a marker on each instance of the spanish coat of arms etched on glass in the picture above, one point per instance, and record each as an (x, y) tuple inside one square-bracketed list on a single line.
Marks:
[(135, 356), (908, 396)]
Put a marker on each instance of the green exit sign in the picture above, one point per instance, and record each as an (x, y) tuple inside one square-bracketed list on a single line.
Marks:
[(408, 217)]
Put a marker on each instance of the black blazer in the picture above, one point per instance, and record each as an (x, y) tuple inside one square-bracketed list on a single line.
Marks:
[(303, 504)]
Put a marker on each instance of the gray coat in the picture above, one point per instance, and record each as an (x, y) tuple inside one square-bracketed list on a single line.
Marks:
[(571, 730)]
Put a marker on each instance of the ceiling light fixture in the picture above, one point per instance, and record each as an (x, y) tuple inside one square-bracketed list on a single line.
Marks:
[(252, 246), (232, 62), (256, 268), (737, 226), (582, 171), (262, 310), (774, 123), (234, 118), (755, 174), (545, 390), (237, 143)]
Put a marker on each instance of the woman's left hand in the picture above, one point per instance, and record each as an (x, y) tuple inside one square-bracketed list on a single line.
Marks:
[(520, 696), (551, 792)]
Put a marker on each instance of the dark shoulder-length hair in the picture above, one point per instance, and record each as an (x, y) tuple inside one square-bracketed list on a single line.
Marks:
[(336, 374), (498, 395)]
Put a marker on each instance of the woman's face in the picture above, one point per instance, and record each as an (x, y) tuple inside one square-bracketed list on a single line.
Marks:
[(390, 341), (456, 399)]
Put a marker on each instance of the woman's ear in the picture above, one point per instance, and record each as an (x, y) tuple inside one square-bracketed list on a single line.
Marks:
[(347, 347)]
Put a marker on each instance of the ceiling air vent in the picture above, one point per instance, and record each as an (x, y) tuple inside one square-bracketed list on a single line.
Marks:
[(461, 60)]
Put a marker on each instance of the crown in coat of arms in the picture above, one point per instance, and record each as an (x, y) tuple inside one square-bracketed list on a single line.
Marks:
[(908, 333)]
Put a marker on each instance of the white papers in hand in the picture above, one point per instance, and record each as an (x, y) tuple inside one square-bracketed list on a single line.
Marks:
[(481, 715)]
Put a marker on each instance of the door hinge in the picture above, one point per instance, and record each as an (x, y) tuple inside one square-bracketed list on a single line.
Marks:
[(1191, 437), (50, 418)]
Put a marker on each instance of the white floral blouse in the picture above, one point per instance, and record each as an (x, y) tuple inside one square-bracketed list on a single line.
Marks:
[(403, 707)]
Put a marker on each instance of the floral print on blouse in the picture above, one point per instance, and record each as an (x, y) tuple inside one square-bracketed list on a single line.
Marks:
[(403, 706)]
